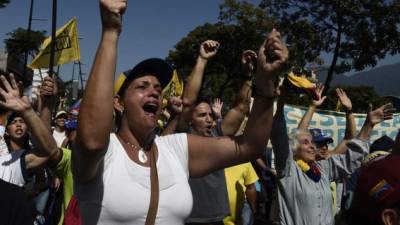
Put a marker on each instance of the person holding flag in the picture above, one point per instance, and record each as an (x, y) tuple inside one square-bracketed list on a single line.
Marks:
[(67, 47)]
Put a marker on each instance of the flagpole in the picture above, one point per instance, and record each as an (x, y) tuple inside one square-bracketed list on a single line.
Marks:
[(28, 38), (53, 38), (73, 71), (80, 75)]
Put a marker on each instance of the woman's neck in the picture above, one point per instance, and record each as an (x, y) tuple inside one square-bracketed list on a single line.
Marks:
[(137, 138)]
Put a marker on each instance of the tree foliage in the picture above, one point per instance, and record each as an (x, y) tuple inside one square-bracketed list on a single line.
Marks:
[(242, 26), (356, 33), (361, 97), (19, 42), (3, 3)]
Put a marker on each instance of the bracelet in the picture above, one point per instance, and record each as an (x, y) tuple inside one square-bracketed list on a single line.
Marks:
[(256, 93)]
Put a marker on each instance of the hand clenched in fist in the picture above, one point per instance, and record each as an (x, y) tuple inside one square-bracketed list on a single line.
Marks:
[(111, 14)]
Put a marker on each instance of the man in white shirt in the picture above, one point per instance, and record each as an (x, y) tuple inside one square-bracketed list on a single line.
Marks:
[(59, 132)]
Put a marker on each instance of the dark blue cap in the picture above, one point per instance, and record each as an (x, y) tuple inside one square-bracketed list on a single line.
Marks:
[(383, 143), (153, 66), (319, 136)]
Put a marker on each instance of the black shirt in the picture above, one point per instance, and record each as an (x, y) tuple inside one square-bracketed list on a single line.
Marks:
[(15, 208)]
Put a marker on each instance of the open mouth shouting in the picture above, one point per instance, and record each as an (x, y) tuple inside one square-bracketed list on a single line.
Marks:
[(19, 131), (150, 108), (209, 129)]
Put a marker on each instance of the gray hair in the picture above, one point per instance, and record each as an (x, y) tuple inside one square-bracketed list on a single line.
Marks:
[(294, 138)]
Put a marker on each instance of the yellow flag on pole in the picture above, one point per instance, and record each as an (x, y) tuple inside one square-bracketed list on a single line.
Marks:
[(66, 48), (174, 88)]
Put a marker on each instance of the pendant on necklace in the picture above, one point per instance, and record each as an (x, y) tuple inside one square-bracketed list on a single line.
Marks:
[(142, 156)]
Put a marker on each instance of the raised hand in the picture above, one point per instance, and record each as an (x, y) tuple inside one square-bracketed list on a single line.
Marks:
[(208, 49), (380, 114), (175, 105), (272, 57), (111, 14), (248, 59), (344, 100), (217, 107), (319, 90), (49, 87), (11, 96)]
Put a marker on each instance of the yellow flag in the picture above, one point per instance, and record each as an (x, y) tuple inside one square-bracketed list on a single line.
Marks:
[(338, 106), (174, 88), (66, 48)]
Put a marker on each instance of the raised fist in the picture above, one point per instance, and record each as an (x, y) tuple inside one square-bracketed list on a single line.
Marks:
[(248, 59), (48, 87), (175, 105), (272, 57), (111, 14), (208, 49)]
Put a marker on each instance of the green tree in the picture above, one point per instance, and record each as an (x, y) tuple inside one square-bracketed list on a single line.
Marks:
[(18, 43), (356, 33), (361, 97), (242, 26), (3, 3)]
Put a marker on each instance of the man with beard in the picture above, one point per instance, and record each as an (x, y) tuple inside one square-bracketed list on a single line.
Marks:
[(210, 198)]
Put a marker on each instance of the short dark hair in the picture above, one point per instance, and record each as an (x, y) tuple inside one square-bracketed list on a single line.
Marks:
[(12, 116), (203, 99)]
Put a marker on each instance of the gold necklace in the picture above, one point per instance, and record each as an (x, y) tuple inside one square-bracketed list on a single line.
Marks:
[(141, 154)]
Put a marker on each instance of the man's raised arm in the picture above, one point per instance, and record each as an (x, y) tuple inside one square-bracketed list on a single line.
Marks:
[(208, 50)]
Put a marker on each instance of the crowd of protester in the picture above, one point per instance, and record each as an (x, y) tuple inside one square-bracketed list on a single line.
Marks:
[(120, 162)]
